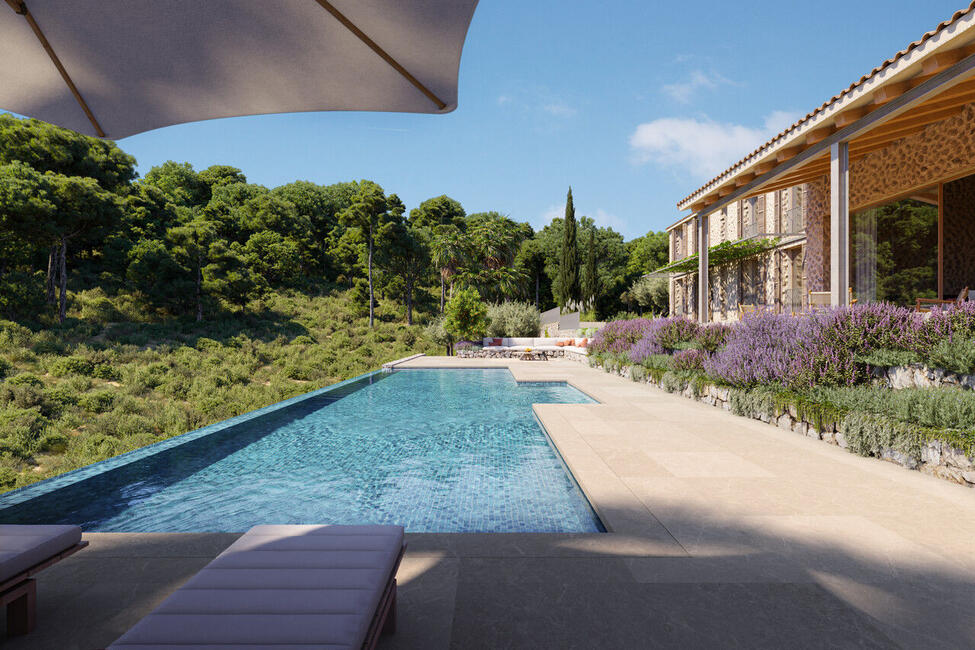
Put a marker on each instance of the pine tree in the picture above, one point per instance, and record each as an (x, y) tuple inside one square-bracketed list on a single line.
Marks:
[(568, 285), (590, 279)]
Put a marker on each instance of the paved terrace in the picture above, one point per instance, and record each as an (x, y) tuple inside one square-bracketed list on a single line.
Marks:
[(725, 532)]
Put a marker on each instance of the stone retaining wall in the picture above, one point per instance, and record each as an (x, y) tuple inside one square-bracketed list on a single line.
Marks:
[(920, 376), (938, 458)]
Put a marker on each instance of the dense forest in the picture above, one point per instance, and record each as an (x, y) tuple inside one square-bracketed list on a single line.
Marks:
[(134, 309), (179, 242)]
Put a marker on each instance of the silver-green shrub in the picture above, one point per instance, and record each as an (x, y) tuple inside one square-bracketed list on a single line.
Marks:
[(513, 319)]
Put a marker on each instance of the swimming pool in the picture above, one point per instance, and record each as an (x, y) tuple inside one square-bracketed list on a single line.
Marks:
[(456, 450)]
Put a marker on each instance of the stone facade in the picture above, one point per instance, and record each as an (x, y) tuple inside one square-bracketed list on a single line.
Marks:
[(773, 280), (817, 235), (959, 235), (942, 150)]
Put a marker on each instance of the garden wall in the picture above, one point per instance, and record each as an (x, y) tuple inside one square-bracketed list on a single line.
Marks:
[(935, 457), (920, 376)]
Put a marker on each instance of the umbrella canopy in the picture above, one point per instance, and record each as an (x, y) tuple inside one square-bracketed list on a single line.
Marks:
[(114, 68)]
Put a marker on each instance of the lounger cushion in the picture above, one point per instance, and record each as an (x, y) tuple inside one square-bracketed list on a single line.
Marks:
[(22, 547), (279, 586)]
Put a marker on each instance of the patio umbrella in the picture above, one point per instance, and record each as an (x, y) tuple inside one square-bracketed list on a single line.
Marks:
[(114, 68)]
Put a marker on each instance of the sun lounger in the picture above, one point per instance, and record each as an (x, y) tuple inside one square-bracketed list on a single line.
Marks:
[(284, 587), (25, 550)]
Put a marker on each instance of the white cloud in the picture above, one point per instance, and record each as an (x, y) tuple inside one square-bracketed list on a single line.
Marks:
[(503, 99), (604, 219), (683, 91), (702, 146), (601, 218), (559, 109), (545, 218)]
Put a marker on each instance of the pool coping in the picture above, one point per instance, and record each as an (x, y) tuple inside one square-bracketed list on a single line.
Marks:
[(46, 486)]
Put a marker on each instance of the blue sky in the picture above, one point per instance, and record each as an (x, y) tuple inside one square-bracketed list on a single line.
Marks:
[(633, 103)]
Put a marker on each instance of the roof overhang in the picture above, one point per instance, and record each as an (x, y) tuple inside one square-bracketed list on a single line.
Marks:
[(923, 84)]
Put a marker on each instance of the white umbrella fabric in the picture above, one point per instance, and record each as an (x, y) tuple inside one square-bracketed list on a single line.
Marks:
[(114, 68)]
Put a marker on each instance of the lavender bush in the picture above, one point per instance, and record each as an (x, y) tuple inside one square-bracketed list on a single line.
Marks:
[(619, 336), (762, 349), (713, 336), (688, 360)]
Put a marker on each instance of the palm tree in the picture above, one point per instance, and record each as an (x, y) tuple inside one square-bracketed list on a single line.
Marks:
[(449, 253)]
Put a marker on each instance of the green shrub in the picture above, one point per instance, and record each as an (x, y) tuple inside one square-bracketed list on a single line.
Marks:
[(751, 403), (513, 319), (14, 335), (98, 309), (20, 429), (673, 382), (106, 371), (302, 340), (956, 356), (26, 379), (887, 358), (944, 408), (204, 343), (868, 434), (73, 365), (97, 402), (466, 315)]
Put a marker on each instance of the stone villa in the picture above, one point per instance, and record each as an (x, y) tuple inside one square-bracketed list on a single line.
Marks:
[(869, 197)]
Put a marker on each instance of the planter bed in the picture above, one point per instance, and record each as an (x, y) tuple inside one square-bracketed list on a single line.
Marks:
[(945, 453)]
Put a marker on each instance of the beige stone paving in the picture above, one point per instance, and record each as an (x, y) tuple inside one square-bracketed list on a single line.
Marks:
[(724, 532)]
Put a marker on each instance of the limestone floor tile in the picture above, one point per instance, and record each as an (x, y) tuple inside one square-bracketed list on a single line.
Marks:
[(744, 568), (570, 614), (738, 495), (853, 546), (918, 612), (707, 464), (627, 462), (427, 587)]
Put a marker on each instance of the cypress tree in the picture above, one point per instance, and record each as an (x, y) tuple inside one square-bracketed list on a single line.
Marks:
[(569, 264), (590, 280)]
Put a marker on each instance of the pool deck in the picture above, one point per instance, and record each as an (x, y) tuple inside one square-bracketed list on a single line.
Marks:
[(724, 532)]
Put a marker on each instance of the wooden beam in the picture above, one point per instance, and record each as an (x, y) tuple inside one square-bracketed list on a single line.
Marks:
[(765, 167), (787, 153), (890, 91), (851, 115), (903, 129), (20, 8), (938, 62), (725, 191), (339, 16), (744, 179), (820, 134)]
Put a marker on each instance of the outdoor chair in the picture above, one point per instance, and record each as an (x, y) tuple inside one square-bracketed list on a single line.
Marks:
[(24, 551), (746, 309), (919, 306), (284, 586)]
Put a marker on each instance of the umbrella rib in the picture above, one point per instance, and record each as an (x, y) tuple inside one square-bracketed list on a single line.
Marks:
[(20, 7), (339, 16)]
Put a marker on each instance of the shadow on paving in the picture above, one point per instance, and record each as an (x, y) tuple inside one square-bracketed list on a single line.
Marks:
[(724, 585)]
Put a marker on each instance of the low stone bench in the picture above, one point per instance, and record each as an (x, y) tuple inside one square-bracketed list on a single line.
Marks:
[(24, 551), (283, 586)]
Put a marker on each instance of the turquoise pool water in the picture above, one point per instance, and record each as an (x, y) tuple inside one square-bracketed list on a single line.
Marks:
[(431, 450)]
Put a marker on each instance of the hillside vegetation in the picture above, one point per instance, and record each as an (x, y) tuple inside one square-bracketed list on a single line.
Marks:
[(86, 391)]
